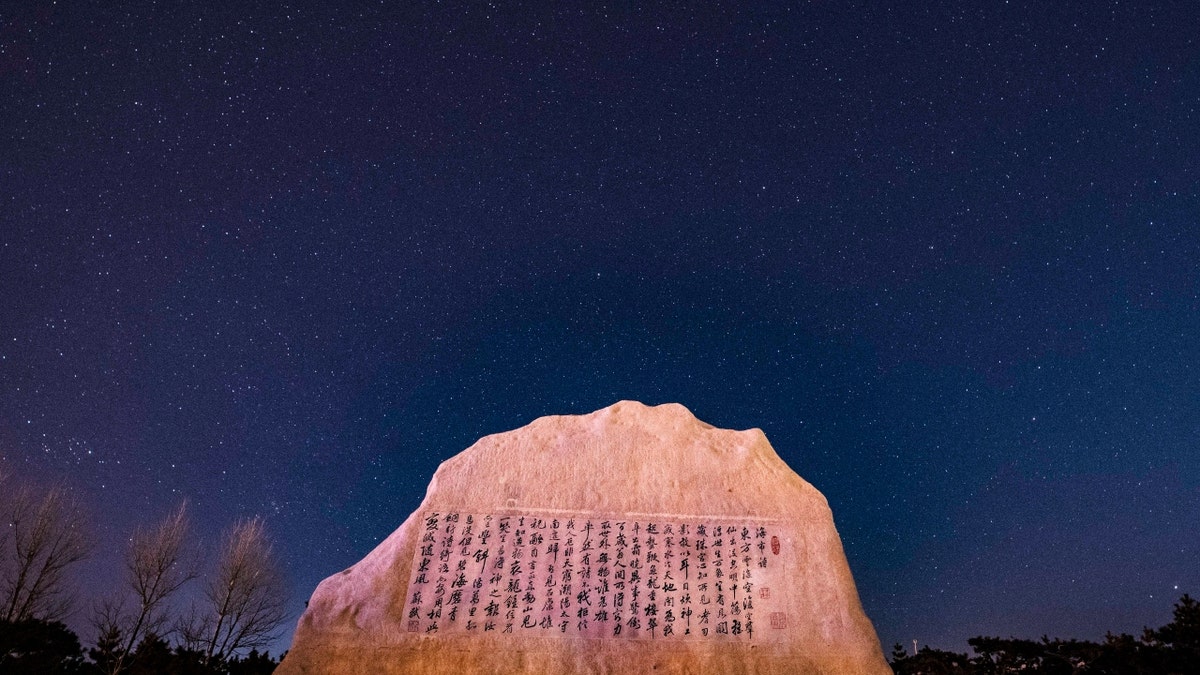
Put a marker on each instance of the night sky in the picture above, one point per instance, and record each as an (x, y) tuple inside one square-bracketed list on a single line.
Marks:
[(286, 261)]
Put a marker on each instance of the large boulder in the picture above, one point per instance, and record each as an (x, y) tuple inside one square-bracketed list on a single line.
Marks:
[(633, 539)]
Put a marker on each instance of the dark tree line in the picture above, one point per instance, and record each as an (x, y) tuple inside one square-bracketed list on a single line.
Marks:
[(1169, 650), (40, 647), (139, 627)]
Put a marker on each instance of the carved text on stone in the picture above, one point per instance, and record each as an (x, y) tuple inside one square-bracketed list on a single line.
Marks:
[(582, 575)]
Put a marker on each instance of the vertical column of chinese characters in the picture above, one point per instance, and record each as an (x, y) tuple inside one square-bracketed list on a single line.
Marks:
[(512, 573), (420, 583), (460, 547), (444, 546), (620, 569), (759, 551), (535, 540), (445, 577), (566, 577), (479, 568), (650, 607), (684, 560), (704, 570), (515, 573), (583, 593), (732, 576), (550, 586), (720, 558), (634, 623), (739, 579), (602, 589), (721, 574), (669, 593), (496, 571)]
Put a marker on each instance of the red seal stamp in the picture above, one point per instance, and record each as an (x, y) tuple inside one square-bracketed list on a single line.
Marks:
[(774, 545)]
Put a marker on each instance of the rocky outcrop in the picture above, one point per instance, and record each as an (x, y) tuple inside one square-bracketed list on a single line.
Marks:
[(633, 539)]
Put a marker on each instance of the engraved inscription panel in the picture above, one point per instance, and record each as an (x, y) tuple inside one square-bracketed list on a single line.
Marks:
[(561, 574)]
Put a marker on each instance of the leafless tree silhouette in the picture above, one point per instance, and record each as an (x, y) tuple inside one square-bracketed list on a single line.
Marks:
[(44, 534), (245, 597), (159, 561)]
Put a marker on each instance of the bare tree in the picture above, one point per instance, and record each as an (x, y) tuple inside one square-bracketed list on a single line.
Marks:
[(158, 563), (245, 597), (44, 535)]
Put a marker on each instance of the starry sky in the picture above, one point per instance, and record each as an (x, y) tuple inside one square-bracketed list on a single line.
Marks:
[(284, 260)]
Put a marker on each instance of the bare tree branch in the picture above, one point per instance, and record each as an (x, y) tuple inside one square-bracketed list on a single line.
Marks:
[(158, 562), (45, 534), (246, 596)]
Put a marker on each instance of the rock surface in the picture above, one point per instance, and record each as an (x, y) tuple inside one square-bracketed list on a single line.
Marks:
[(634, 539)]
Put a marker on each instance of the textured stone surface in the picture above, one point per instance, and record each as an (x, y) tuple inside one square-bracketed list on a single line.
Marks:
[(719, 521)]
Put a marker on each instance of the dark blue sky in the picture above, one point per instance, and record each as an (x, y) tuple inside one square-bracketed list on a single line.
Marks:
[(286, 261)]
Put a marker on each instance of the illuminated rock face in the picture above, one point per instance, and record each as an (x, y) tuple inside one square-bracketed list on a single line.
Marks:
[(630, 540)]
